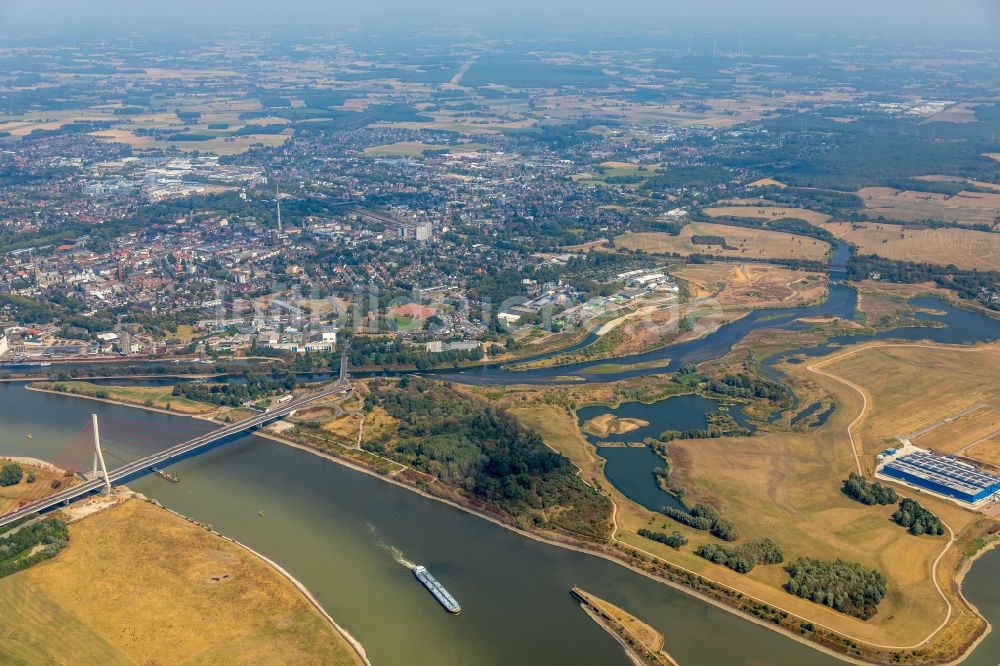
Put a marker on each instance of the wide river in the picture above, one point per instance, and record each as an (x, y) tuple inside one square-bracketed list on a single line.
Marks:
[(345, 534), (334, 529)]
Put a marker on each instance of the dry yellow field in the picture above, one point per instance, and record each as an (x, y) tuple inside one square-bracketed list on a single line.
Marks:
[(414, 148), (221, 146), (741, 242), (965, 248), (767, 212), (787, 486), (962, 433), (11, 496), (909, 206), (917, 385), (986, 451), (138, 585)]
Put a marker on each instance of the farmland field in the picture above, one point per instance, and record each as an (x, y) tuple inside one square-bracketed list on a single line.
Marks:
[(966, 207), (767, 212), (965, 248), (740, 242)]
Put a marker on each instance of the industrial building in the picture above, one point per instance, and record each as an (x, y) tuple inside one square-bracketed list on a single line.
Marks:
[(938, 474)]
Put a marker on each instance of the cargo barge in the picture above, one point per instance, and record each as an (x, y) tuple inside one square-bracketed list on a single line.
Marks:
[(437, 589)]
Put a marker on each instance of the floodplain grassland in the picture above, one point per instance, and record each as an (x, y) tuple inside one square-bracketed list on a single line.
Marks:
[(786, 485), (160, 397), (138, 584), (920, 385), (960, 434), (740, 242), (986, 451), (965, 248)]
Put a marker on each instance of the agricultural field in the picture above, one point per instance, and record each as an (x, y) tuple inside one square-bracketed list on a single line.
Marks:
[(222, 145), (961, 433), (417, 148), (768, 182), (966, 207), (964, 248), (963, 112), (112, 597), (919, 385), (766, 212), (740, 242)]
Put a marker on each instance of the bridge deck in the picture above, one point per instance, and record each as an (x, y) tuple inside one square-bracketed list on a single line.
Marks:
[(142, 465)]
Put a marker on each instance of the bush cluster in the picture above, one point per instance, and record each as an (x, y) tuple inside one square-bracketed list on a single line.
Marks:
[(743, 558), (703, 517)]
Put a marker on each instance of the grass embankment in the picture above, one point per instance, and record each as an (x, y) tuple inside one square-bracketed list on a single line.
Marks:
[(140, 585), (641, 642), (159, 397), (23, 492)]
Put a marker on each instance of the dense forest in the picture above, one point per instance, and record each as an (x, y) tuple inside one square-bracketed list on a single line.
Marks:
[(471, 445)]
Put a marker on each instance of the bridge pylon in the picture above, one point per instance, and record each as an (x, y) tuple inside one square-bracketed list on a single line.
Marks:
[(99, 456)]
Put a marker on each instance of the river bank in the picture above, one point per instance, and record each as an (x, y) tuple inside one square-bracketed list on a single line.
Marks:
[(621, 553), (346, 635), (140, 584)]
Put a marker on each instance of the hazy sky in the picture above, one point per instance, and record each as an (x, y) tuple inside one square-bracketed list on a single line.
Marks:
[(927, 17)]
